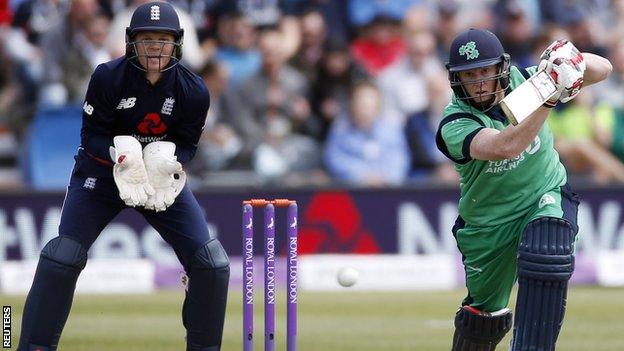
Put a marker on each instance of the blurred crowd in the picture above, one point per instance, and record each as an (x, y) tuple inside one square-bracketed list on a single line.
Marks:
[(317, 92)]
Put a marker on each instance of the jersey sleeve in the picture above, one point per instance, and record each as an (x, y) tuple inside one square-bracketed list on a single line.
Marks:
[(532, 70), (527, 72), (455, 134), (98, 116), (187, 133)]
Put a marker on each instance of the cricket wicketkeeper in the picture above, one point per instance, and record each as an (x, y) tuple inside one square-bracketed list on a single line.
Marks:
[(143, 116), (517, 213)]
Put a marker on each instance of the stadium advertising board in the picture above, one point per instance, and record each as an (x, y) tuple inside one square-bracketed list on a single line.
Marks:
[(379, 221)]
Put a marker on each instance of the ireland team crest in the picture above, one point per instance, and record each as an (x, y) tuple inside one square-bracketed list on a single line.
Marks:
[(470, 50)]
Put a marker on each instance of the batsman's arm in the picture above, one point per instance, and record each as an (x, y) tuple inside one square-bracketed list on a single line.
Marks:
[(597, 69), (491, 144)]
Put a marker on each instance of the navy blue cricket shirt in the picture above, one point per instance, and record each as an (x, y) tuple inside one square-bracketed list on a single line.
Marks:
[(121, 101)]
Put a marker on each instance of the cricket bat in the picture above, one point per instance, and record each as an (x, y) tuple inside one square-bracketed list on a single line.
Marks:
[(528, 96)]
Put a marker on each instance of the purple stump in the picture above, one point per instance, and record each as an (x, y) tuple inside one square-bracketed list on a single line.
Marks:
[(269, 278), (291, 269), (248, 288)]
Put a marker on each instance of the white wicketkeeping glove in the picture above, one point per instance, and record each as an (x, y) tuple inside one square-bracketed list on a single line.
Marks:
[(129, 171), (165, 174), (566, 65)]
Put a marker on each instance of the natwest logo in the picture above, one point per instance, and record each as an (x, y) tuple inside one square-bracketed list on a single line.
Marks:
[(333, 224), (152, 124)]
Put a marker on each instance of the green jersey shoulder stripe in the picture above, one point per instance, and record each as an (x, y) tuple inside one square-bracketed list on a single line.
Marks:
[(466, 145)]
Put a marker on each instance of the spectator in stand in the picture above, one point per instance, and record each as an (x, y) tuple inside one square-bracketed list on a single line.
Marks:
[(515, 33), (5, 13), (313, 36), (197, 10), (582, 32), (612, 90), (612, 20), (363, 12), (415, 91), (274, 115), (610, 129), (334, 13), (575, 17), (32, 18), (86, 52), (416, 84), (35, 17), (60, 39), (259, 13), (610, 126), (219, 144), (560, 11), (262, 14), (365, 148), (574, 127), (330, 92), (15, 112), (445, 27), (15, 106), (379, 45), (9, 90), (237, 50), (530, 9)]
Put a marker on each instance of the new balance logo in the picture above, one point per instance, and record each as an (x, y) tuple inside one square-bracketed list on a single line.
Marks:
[(167, 107), (89, 183), (88, 109), (155, 13), (126, 103)]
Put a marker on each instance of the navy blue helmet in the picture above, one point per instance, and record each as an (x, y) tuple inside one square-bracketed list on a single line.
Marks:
[(477, 48), (157, 17)]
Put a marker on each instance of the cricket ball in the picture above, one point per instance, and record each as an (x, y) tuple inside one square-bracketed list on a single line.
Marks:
[(347, 276)]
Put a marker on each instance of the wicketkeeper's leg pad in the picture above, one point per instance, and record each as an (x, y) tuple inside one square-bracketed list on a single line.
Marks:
[(545, 264), (50, 298), (203, 311), (480, 331)]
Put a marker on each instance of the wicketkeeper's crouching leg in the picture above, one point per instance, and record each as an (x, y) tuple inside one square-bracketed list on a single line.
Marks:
[(545, 264), (203, 312), (50, 298)]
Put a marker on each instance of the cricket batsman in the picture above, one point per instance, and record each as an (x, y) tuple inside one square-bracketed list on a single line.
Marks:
[(143, 116), (517, 213)]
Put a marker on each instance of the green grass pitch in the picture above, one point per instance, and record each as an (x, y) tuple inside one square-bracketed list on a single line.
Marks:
[(344, 321)]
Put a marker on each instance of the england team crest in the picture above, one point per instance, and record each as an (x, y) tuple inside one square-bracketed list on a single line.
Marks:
[(167, 107)]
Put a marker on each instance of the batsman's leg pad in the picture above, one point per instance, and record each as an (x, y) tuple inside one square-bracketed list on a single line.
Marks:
[(480, 331), (203, 312), (49, 300), (545, 264)]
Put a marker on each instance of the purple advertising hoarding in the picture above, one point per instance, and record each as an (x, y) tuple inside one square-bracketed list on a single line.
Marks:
[(406, 221)]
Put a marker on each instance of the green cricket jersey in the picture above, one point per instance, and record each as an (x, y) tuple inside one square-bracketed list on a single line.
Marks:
[(496, 192)]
